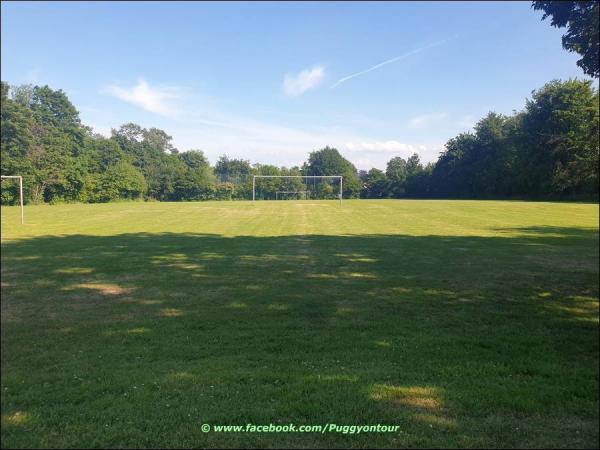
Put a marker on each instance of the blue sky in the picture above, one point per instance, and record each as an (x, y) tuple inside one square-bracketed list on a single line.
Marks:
[(270, 82)]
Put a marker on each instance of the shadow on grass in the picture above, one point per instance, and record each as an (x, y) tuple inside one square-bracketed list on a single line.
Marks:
[(462, 341)]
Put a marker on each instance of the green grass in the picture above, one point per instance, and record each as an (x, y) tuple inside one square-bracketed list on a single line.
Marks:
[(466, 323)]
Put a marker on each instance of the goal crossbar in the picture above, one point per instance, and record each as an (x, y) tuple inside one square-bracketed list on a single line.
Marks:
[(254, 177), (20, 178)]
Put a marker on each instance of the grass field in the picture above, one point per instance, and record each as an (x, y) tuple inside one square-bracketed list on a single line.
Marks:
[(465, 323)]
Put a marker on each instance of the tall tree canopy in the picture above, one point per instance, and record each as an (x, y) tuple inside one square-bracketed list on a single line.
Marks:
[(560, 138), (548, 149), (582, 36), (329, 161)]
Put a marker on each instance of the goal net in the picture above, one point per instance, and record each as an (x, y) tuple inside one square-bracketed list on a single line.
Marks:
[(286, 195), (297, 187)]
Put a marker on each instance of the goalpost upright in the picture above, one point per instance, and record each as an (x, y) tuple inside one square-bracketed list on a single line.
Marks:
[(20, 190), (254, 177)]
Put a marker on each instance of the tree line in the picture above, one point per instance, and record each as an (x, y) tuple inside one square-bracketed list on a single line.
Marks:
[(547, 150)]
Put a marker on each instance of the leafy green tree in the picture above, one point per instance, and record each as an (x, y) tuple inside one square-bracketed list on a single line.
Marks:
[(451, 174), (293, 184), (416, 185), (193, 185), (167, 172), (163, 175), (548, 149), (489, 161), (130, 137), (396, 173), (238, 173), (41, 129), (413, 165), (119, 181), (194, 159), (266, 188), (228, 169), (53, 111), (582, 36), (559, 142), (16, 138), (197, 182), (99, 153), (127, 133), (476, 164), (158, 140), (329, 161), (23, 95), (124, 179), (376, 184), (224, 191)]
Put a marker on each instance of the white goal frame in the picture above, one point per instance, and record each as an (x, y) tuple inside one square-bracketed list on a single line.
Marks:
[(254, 177), (20, 178)]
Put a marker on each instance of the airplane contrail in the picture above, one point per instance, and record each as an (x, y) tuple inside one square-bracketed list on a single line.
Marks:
[(389, 61)]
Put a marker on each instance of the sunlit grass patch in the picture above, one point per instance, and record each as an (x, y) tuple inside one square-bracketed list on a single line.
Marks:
[(107, 289), (171, 312), (422, 398), (130, 331), (15, 419)]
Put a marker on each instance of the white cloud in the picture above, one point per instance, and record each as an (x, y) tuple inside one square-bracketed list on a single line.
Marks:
[(102, 129), (295, 85), (220, 132), (33, 76), (381, 147), (154, 99), (426, 119), (270, 143), (373, 153), (467, 122)]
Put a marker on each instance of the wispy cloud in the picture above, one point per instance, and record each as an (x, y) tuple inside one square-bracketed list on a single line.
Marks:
[(389, 61), (268, 142), (219, 131), (391, 146), (33, 76), (154, 99), (467, 122), (104, 130), (373, 153), (426, 119), (297, 84)]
